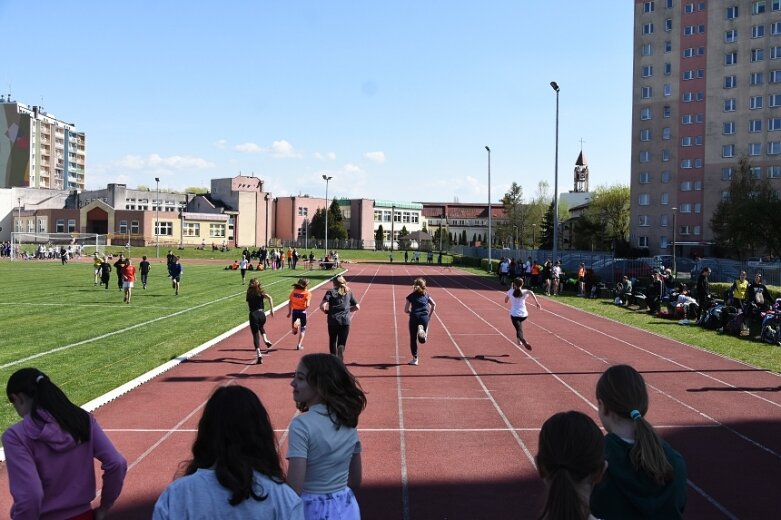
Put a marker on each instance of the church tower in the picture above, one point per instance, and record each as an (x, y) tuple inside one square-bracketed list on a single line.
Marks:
[(581, 174)]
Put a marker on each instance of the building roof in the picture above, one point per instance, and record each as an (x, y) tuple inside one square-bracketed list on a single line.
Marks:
[(581, 160), (462, 210)]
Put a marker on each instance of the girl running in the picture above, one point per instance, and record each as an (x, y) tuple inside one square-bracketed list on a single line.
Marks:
[(645, 477), (324, 452), (518, 312), (420, 307), (256, 295), (339, 304), (299, 302)]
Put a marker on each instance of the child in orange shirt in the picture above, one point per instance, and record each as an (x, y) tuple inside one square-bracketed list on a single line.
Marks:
[(299, 302)]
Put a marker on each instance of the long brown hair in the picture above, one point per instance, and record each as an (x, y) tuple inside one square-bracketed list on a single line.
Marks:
[(255, 289), (622, 391), (337, 388), (571, 449), (341, 284), (517, 286), (419, 285)]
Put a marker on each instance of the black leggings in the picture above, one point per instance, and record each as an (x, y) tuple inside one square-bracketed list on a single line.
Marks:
[(337, 335), (518, 324), (257, 324), (414, 321)]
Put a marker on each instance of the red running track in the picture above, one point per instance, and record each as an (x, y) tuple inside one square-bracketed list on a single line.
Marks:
[(455, 437)]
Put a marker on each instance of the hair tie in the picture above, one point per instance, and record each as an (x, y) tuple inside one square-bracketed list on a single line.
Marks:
[(635, 415), (39, 378)]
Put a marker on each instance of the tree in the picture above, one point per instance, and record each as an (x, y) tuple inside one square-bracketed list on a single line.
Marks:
[(379, 238), (336, 228), (198, 190), (749, 218), (317, 225), (515, 225), (605, 223), (403, 240)]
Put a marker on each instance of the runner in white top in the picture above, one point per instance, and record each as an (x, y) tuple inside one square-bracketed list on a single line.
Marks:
[(518, 312)]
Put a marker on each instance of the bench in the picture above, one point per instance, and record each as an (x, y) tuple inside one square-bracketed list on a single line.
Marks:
[(327, 265)]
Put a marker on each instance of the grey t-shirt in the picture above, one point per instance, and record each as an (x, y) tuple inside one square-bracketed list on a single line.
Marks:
[(328, 449)]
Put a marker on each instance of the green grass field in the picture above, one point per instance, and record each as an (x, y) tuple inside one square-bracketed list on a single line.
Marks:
[(90, 342)]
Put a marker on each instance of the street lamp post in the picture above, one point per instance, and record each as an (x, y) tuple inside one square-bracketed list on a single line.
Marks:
[(555, 255), (157, 220), (393, 221), (675, 232), (489, 208), (306, 233), (326, 178), (266, 197), (515, 237), (440, 234), (534, 226)]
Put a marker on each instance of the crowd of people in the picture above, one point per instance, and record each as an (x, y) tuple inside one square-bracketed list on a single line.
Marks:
[(236, 471)]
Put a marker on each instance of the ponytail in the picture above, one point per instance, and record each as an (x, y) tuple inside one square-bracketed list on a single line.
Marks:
[(517, 286), (622, 390), (47, 396), (563, 500)]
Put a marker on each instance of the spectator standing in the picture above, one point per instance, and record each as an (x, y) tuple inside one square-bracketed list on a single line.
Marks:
[(235, 471), (243, 264), (324, 451), (547, 274), (556, 274), (702, 291), (737, 293), (420, 307), (339, 304), (119, 266), (582, 279), (96, 263), (645, 477), (50, 453), (170, 260), (570, 459), (105, 272), (256, 299)]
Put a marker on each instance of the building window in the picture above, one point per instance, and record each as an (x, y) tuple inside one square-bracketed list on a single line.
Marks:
[(697, 230), (135, 227), (645, 134), (643, 220), (666, 133), (775, 28), (686, 141), (755, 102), (731, 36), (645, 177), (774, 100), (773, 172), (686, 186), (728, 150), (776, 5), (774, 76), (728, 128), (665, 177), (731, 58), (758, 7), (663, 220), (191, 229), (668, 90), (686, 207), (756, 78), (726, 174), (217, 230), (754, 126), (668, 69), (775, 53), (666, 111), (648, 7), (645, 156), (71, 225), (668, 24), (732, 12), (686, 163), (668, 46), (644, 199), (123, 227), (689, 30), (757, 31), (645, 92), (647, 71), (647, 49), (730, 104), (60, 226), (648, 28), (642, 241), (664, 199), (697, 207), (645, 113), (730, 81), (773, 147), (725, 195), (665, 155), (303, 211), (164, 228), (755, 149), (757, 55), (756, 172), (774, 124), (683, 230)]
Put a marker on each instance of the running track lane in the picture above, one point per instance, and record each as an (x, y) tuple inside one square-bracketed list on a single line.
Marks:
[(455, 437)]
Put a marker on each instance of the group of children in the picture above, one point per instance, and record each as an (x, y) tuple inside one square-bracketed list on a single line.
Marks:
[(236, 472)]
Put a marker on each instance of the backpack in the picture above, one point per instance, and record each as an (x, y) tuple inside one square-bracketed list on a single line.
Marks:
[(711, 319), (771, 329), (737, 325)]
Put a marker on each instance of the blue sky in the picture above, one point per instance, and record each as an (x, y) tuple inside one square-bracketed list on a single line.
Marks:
[(395, 100)]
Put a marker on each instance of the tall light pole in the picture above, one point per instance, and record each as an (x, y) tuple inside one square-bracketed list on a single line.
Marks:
[(534, 226), (266, 197), (440, 233), (555, 255), (326, 178), (675, 232), (515, 237), (393, 221), (157, 219), (489, 209)]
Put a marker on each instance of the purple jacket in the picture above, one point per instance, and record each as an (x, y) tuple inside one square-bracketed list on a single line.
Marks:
[(52, 477)]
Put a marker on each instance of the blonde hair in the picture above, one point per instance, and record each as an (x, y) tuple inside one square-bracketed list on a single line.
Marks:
[(341, 284), (419, 285)]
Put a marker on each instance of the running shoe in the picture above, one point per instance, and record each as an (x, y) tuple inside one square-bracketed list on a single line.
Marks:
[(296, 326), (413, 361), (421, 334)]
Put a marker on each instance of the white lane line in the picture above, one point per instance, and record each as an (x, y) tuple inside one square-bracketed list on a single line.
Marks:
[(405, 505)]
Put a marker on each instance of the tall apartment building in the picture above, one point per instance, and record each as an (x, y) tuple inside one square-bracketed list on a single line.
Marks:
[(707, 91), (37, 150)]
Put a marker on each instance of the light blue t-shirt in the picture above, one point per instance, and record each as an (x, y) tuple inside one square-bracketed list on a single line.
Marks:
[(201, 496), (327, 449)]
